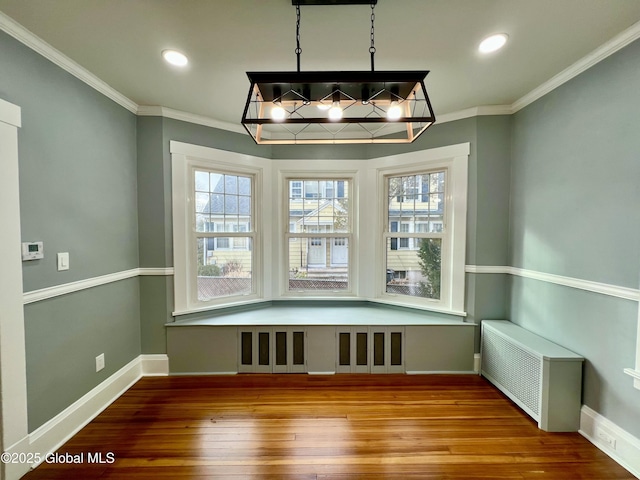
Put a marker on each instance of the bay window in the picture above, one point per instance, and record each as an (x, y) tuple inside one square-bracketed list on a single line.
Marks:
[(215, 236), (387, 230)]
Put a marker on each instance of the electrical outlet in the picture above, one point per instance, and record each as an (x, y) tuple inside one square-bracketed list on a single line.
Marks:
[(99, 362), (607, 439)]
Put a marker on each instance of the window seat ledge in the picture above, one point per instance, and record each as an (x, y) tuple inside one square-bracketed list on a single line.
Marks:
[(323, 316)]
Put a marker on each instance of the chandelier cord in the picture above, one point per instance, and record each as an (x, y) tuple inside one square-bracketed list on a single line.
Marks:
[(298, 49), (372, 48)]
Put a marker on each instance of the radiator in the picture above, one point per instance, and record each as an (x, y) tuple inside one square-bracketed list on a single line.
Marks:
[(541, 377)]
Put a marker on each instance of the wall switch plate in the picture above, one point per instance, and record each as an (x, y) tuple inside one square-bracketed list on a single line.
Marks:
[(99, 362), (63, 261)]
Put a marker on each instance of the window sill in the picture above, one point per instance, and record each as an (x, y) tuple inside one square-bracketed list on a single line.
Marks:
[(426, 308), (283, 313), (221, 306)]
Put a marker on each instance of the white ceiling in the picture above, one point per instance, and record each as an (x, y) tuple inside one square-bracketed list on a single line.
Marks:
[(120, 42)]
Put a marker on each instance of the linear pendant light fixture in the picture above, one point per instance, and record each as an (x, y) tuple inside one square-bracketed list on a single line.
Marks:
[(340, 106)]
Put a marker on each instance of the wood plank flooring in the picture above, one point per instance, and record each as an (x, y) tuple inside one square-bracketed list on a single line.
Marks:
[(324, 427)]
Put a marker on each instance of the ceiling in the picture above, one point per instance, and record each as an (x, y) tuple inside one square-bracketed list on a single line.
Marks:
[(120, 41)]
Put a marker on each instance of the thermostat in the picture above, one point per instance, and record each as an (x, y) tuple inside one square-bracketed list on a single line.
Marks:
[(32, 251)]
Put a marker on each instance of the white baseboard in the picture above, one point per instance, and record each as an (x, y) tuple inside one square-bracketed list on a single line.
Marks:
[(619, 444), (156, 365), (194, 374), (53, 434), (477, 363), (14, 471), (440, 372)]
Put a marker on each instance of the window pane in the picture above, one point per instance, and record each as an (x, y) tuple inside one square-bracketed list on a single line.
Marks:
[(227, 198), (414, 199), (318, 207), (216, 205), (217, 182), (231, 204), (318, 263), (224, 267), (420, 266), (244, 185), (202, 222), (230, 184), (202, 202), (202, 181), (311, 189), (324, 208)]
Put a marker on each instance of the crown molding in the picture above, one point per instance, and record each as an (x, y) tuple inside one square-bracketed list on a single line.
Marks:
[(474, 112), (17, 31), (609, 48), (159, 111)]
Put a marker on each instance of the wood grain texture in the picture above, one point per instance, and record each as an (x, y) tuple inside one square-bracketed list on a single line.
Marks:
[(325, 427)]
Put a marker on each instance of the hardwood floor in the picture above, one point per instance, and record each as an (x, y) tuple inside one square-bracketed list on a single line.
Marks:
[(323, 427)]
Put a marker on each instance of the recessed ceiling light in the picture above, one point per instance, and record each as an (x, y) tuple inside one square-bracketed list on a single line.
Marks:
[(175, 58), (493, 43)]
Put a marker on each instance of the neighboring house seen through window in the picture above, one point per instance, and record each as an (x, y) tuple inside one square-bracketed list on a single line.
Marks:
[(319, 216), (415, 215), (223, 223)]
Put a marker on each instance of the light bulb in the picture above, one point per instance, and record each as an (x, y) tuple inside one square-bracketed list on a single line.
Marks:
[(335, 112), (394, 112), (278, 113), (175, 58), (493, 43)]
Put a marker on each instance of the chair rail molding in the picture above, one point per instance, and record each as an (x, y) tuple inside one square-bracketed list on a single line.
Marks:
[(66, 288), (626, 293)]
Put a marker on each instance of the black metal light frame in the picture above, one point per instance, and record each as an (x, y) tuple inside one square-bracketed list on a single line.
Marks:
[(364, 98)]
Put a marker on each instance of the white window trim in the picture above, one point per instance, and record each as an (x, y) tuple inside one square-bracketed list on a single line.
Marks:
[(454, 160), (365, 276), (285, 176), (184, 158)]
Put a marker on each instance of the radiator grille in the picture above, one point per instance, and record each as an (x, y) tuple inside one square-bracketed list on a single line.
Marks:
[(515, 369)]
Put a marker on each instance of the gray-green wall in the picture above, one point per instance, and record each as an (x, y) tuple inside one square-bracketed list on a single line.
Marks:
[(78, 194), (575, 211), (553, 188)]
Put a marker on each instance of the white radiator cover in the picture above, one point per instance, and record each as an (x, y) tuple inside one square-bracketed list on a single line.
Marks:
[(542, 378)]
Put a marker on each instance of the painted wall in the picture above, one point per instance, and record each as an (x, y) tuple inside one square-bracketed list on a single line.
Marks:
[(78, 194), (487, 230), (66, 333), (95, 181), (77, 170), (575, 192)]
